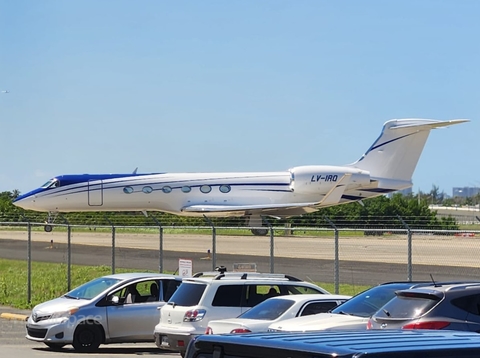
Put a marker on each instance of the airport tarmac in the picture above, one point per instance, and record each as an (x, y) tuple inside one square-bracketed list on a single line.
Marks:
[(362, 260), (426, 249)]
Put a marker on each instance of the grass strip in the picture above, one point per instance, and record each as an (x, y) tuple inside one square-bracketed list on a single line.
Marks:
[(49, 280)]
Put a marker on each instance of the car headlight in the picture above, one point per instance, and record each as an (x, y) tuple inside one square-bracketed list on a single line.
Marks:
[(65, 314)]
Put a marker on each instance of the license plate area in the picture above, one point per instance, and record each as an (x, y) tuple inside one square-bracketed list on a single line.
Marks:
[(164, 341)]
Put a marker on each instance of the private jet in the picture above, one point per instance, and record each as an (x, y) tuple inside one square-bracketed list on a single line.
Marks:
[(387, 166)]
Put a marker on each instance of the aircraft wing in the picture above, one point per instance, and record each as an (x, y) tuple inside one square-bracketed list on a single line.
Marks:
[(206, 208), (331, 198)]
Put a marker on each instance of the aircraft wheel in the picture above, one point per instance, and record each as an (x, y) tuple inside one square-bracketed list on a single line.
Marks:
[(48, 228), (259, 232)]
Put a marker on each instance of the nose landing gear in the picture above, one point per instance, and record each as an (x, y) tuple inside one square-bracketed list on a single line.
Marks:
[(50, 220)]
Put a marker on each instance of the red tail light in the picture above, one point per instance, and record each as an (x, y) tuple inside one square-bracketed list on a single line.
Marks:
[(427, 325), (241, 330), (209, 330), (369, 324), (194, 315)]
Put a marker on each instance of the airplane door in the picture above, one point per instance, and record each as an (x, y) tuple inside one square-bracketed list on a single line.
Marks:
[(95, 192)]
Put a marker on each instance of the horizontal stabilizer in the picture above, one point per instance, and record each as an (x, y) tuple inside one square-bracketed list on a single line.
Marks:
[(428, 125)]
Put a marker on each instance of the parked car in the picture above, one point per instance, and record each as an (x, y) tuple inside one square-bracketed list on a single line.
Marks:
[(344, 344), (218, 295), (275, 309), (453, 307), (353, 314), (121, 308)]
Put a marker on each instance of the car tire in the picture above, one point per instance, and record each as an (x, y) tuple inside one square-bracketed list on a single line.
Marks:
[(87, 337), (54, 346)]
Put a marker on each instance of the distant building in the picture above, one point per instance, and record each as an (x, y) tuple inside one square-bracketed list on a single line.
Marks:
[(465, 192)]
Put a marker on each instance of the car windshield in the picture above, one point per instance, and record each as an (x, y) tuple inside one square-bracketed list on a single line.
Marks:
[(268, 310), (368, 302), (92, 288)]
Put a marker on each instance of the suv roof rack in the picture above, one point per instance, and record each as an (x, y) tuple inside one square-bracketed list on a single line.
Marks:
[(245, 275)]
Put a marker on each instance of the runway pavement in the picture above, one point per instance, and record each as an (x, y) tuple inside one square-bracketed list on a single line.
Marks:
[(363, 260)]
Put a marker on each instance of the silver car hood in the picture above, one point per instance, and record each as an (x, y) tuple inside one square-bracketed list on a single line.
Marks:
[(321, 321), (59, 304)]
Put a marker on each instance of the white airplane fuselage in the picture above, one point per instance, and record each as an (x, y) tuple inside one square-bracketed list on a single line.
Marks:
[(189, 193)]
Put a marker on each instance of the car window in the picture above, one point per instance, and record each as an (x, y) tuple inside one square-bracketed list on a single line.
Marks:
[(188, 294), (368, 302), (318, 307), (169, 287), (411, 306), (268, 310), (297, 290), (228, 296), (470, 303)]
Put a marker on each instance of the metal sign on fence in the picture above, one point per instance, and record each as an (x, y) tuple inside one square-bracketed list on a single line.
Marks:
[(185, 267), (245, 267)]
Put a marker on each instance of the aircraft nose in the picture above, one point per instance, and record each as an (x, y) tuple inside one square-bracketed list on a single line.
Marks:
[(24, 202), (27, 201)]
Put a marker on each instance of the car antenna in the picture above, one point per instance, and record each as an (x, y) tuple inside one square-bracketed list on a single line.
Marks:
[(434, 283)]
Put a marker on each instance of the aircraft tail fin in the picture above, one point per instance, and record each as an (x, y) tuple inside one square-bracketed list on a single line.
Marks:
[(395, 154)]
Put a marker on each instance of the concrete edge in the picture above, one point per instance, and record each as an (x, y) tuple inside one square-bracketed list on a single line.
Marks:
[(14, 316)]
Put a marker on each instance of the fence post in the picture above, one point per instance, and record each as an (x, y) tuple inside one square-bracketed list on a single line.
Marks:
[(29, 260), (160, 244), (214, 242), (272, 245), (69, 253), (113, 244), (409, 248), (336, 263)]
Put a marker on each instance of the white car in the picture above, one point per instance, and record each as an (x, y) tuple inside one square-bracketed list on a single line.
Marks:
[(121, 308), (219, 295), (275, 309), (352, 314)]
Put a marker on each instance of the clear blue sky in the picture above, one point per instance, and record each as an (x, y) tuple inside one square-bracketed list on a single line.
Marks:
[(170, 86)]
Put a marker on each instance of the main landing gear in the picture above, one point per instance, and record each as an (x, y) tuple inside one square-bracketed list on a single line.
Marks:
[(256, 222)]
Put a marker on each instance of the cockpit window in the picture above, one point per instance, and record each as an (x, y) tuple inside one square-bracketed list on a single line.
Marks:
[(52, 183)]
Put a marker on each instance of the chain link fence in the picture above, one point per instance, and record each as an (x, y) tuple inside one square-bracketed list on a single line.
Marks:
[(336, 250)]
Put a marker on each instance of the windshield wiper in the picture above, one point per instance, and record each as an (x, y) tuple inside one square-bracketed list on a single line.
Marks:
[(345, 313), (386, 312), (71, 297)]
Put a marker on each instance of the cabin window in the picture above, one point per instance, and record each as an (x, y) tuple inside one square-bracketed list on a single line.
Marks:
[(167, 189), (128, 190), (205, 189), (147, 189), (186, 189), (225, 188)]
